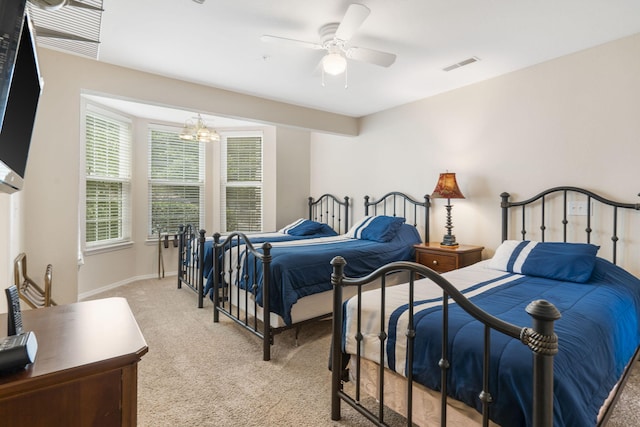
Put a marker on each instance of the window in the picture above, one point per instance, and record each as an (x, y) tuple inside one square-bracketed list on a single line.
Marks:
[(242, 182), (176, 181), (108, 178)]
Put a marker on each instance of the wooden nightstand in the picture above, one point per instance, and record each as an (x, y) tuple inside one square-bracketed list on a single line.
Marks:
[(444, 259)]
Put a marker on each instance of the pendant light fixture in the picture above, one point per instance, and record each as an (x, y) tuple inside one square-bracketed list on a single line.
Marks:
[(198, 131)]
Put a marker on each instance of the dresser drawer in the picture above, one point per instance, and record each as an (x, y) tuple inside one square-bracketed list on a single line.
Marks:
[(438, 262), (443, 259)]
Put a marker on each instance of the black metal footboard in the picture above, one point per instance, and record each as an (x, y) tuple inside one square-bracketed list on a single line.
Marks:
[(240, 271), (191, 260), (540, 338)]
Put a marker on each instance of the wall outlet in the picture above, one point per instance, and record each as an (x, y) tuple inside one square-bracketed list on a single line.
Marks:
[(578, 208)]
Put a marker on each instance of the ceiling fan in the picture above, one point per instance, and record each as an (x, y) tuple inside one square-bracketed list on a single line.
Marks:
[(335, 39), (58, 4)]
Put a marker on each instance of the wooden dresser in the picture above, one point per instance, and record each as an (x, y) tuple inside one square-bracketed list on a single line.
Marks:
[(85, 372)]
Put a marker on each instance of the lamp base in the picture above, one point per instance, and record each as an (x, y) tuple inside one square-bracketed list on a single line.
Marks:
[(449, 241)]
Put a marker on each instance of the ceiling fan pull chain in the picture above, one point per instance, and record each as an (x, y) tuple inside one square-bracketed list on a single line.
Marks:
[(322, 77), (346, 74)]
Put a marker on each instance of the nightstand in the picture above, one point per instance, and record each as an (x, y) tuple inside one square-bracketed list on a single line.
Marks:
[(445, 259)]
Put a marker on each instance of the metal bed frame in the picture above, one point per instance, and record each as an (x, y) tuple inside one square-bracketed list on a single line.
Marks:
[(565, 193), (396, 203), (327, 209), (539, 337), (242, 309)]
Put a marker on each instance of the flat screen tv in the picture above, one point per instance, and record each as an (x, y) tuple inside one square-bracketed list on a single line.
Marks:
[(20, 91)]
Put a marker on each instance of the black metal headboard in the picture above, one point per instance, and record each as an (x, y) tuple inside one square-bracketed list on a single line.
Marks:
[(330, 210), (396, 203), (567, 195)]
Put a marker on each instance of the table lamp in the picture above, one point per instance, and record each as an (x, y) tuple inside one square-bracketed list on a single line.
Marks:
[(447, 188)]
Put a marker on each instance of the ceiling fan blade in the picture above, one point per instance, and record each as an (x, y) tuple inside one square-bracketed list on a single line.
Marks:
[(75, 3), (384, 59), (290, 42), (46, 32), (353, 19)]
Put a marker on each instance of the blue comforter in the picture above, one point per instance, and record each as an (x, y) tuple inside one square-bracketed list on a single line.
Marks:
[(256, 240), (302, 270), (598, 334)]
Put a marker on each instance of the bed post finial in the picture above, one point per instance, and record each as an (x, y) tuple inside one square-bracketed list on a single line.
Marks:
[(338, 264), (504, 204), (543, 341)]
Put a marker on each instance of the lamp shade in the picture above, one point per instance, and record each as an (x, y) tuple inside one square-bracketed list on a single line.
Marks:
[(447, 187)]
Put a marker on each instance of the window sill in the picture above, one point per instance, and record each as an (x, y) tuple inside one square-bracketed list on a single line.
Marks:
[(107, 248)]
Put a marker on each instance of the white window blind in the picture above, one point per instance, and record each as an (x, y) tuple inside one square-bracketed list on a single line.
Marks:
[(107, 179), (242, 182), (176, 181)]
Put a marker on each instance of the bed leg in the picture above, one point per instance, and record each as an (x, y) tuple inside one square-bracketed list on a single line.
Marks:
[(297, 334), (267, 339)]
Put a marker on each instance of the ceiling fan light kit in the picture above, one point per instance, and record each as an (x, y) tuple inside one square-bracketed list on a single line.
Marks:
[(334, 64), (335, 39)]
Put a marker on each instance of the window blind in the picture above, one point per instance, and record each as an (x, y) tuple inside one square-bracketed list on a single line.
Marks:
[(176, 181), (242, 181), (107, 178)]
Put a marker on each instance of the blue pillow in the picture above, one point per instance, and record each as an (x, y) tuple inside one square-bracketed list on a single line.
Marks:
[(380, 228), (326, 230), (302, 227), (572, 262)]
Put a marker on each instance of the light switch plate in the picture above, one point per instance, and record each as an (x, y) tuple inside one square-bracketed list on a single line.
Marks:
[(577, 208)]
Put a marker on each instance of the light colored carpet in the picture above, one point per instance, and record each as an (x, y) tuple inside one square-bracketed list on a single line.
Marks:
[(198, 373)]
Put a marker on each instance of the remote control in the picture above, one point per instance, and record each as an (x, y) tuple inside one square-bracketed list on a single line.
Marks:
[(14, 317)]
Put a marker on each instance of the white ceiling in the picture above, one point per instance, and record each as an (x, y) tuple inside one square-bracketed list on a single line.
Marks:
[(217, 43)]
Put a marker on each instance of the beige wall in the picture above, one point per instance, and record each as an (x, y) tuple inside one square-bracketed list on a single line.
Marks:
[(570, 121), (293, 175)]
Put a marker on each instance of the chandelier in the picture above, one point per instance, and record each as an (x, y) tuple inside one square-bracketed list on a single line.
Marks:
[(198, 131)]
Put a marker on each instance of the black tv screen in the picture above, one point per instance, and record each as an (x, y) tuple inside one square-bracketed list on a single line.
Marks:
[(21, 88), (11, 20)]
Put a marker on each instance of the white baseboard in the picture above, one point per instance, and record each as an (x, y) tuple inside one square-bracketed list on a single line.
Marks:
[(93, 292)]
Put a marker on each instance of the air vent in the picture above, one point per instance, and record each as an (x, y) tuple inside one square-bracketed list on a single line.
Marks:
[(462, 63), (72, 28)]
